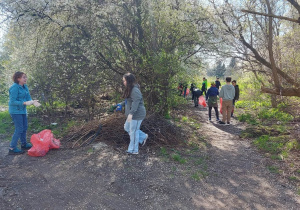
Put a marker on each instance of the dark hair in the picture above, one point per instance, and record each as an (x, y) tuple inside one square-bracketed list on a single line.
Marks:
[(17, 76), (228, 79), (218, 78), (203, 77), (130, 82), (234, 81)]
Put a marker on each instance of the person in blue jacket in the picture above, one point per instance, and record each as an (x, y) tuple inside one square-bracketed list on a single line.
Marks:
[(135, 112), (19, 98), (212, 98)]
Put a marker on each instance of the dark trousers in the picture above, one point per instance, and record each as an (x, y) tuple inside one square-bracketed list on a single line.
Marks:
[(216, 111), (196, 100)]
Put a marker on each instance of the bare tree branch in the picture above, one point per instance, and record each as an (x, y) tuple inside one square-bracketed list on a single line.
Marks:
[(272, 15)]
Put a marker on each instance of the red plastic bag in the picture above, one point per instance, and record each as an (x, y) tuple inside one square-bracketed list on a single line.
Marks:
[(42, 142), (221, 105), (202, 101), (187, 91)]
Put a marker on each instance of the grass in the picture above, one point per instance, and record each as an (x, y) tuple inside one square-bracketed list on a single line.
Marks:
[(277, 146), (6, 125), (273, 169), (178, 158)]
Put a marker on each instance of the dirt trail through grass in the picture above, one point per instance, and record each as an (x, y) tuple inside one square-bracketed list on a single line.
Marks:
[(229, 174)]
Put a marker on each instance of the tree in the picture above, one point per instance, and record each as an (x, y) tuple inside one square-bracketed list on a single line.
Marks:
[(254, 39), (84, 47)]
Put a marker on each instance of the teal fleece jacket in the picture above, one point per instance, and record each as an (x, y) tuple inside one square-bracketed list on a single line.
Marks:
[(18, 94), (227, 92)]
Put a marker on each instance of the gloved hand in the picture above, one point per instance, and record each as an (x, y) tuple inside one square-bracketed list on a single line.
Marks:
[(119, 107), (36, 103), (27, 103), (129, 118)]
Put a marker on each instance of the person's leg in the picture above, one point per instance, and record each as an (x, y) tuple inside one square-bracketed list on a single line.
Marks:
[(25, 126), (127, 126), (217, 113), (142, 136), (209, 112), (224, 111), (134, 136), (230, 107), (195, 100), (18, 122), (233, 102)]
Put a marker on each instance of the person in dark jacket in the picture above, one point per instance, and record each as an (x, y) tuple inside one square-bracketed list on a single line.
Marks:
[(218, 83), (212, 98), (19, 98), (192, 90), (197, 94), (135, 112), (236, 96)]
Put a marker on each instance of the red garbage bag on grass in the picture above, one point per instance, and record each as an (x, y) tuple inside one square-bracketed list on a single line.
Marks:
[(202, 101), (42, 142)]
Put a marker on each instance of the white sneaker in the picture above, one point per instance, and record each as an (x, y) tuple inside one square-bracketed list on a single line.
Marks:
[(144, 142), (132, 153)]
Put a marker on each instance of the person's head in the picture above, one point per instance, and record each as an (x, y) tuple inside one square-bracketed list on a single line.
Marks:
[(20, 78), (203, 78), (128, 81), (228, 79), (233, 82), (213, 84), (218, 78)]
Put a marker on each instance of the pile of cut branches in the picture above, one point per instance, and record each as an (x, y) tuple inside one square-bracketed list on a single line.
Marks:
[(111, 131)]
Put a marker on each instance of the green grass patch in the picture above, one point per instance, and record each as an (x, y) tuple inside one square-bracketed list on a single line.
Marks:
[(163, 151), (273, 169), (277, 146), (293, 178), (248, 118), (178, 158)]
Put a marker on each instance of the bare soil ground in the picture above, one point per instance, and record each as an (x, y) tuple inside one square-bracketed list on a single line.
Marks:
[(226, 173)]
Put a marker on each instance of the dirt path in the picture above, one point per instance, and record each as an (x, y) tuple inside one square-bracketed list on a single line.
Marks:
[(230, 174)]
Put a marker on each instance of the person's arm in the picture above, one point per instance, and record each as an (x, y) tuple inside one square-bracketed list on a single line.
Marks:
[(237, 93), (221, 93), (207, 94), (28, 97)]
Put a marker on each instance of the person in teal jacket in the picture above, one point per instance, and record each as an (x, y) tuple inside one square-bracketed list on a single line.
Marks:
[(19, 98)]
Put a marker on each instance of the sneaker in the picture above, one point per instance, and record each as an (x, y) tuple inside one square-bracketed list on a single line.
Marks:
[(217, 120), (132, 153), (228, 123), (144, 142), (15, 151), (209, 119), (26, 146), (222, 123)]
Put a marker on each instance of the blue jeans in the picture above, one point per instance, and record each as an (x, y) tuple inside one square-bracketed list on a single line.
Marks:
[(136, 135), (20, 121)]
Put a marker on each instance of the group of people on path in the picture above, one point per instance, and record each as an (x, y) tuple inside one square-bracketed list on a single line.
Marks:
[(19, 99), (229, 94)]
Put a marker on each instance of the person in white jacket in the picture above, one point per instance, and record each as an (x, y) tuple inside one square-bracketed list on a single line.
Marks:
[(227, 94)]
